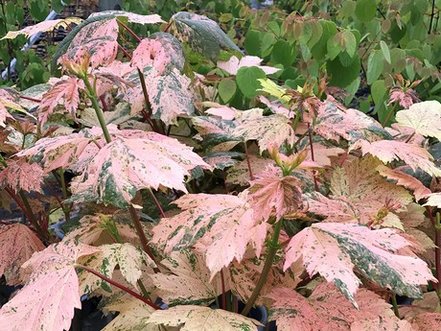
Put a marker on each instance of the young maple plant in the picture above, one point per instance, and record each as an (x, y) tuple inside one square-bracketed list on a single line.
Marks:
[(313, 212)]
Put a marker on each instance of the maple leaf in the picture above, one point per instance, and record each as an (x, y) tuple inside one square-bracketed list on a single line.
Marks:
[(65, 92), (44, 26), (53, 283), (97, 40), (216, 222), (169, 95), (326, 309), (190, 318), (189, 281), (269, 131), (358, 183), (60, 151), (133, 315), (162, 52), (4, 115), (423, 117), (388, 151), (403, 179), (405, 98), (131, 17), (132, 161), (129, 259), (17, 244), (20, 175), (201, 33), (271, 192), (239, 173), (434, 200), (335, 210), (334, 249), (234, 64), (349, 124), (102, 229)]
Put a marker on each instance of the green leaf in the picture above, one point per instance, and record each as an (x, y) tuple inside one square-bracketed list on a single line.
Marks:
[(334, 47), (378, 91), (343, 76), (385, 51), (349, 42), (227, 89), (365, 10), (201, 33), (247, 80), (253, 42), (375, 66), (283, 53), (329, 29)]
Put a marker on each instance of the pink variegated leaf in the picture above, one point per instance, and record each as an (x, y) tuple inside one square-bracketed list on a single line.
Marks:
[(326, 309), (222, 226), (272, 193), (134, 160), (97, 40), (131, 17), (239, 173), (4, 115), (403, 179), (17, 244), (66, 92), (44, 26), (388, 151), (234, 64), (335, 210), (433, 200), (405, 98), (334, 250), (20, 175), (48, 300)]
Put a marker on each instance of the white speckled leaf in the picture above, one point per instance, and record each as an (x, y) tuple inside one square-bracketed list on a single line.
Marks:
[(131, 17), (20, 175), (134, 160), (334, 249), (192, 318), (424, 117), (201, 33), (44, 26), (129, 259)]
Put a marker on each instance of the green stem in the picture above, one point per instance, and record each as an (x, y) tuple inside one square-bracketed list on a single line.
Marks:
[(120, 286), (99, 113), (272, 250), (395, 305)]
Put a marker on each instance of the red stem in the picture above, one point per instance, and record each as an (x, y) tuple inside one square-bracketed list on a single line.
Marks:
[(312, 157), (158, 205), (29, 98), (120, 286), (122, 49), (248, 161), (223, 295), (130, 31), (437, 286)]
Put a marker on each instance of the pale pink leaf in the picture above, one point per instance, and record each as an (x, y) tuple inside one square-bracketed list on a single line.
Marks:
[(44, 26), (403, 179), (239, 173), (426, 322), (132, 161), (423, 117), (20, 175), (272, 193), (433, 200), (17, 244), (334, 249), (66, 92), (338, 209), (191, 318), (388, 151), (131, 17), (4, 115), (405, 98), (234, 64)]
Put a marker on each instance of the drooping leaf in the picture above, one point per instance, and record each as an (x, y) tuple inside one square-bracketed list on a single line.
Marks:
[(358, 183), (168, 94), (234, 64), (131, 17), (133, 315), (190, 318), (132, 161), (97, 40), (202, 34), (388, 151), (334, 249), (403, 179), (349, 124), (65, 92), (20, 175), (48, 300), (327, 309), (17, 244), (44, 26), (222, 225), (272, 193), (189, 283), (129, 259), (423, 117)]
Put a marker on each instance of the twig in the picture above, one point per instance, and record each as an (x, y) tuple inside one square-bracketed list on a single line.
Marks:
[(247, 156), (432, 15)]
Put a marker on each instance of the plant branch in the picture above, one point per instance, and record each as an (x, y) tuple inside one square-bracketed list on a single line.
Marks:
[(432, 15), (158, 205), (120, 286), (223, 295), (312, 157), (395, 305), (247, 156), (130, 31), (272, 250)]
